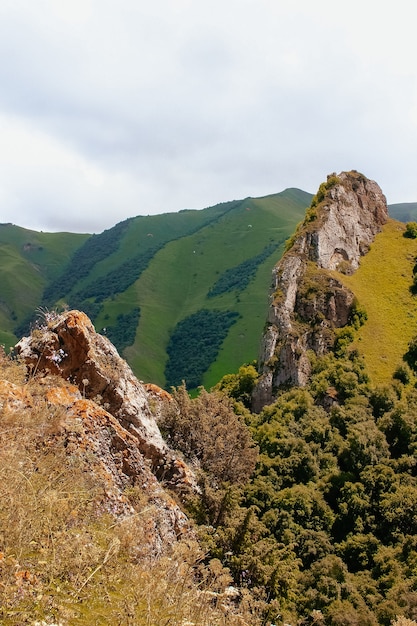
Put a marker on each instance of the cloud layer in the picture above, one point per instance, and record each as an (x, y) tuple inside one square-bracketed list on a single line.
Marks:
[(113, 109)]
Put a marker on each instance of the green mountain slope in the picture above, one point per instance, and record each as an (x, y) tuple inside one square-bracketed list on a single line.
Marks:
[(141, 278), (176, 283), (404, 212), (149, 276), (29, 261)]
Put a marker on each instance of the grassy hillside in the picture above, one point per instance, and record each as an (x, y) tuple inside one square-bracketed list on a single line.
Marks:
[(382, 285), (159, 270), (155, 271), (177, 281), (29, 261)]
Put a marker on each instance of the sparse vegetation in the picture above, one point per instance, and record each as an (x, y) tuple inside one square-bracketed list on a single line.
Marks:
[(319, 197), (382, 287), (66, 557)]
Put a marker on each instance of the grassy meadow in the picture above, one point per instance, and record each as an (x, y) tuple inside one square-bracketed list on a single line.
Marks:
[(382, 286)]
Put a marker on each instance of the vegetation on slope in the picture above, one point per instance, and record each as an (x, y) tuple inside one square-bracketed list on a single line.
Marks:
[(315, 524), (28, 260), (382, 286), (325, 530), (194, 344), (95, 249), (237, 278), (175, 284), (122, 334)]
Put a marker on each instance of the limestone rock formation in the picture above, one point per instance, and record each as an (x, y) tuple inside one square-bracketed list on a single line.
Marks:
[(307, 300), (67, 345)]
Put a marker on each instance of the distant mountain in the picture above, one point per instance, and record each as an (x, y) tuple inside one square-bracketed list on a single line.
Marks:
[(404, 212), (182, 295)]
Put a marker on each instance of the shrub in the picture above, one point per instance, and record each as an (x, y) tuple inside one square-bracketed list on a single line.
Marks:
[(411, 230), (240, 386), (357, 316), (207, 430), (237, 278), (410, 357), (403, 373)]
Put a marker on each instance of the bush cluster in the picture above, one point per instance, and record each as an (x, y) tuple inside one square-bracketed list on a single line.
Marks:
[(94, 250), (194, 345), (119, 279), (411, 230), (325, 529), (123, 333)]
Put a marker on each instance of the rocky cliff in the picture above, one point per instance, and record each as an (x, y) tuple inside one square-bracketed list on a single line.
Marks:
[(67, 345), (307, 301)]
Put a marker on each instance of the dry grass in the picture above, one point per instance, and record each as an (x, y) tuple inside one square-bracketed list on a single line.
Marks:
[(382, 285), (63, 560)]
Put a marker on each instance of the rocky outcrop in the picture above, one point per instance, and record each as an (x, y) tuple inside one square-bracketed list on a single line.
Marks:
[(94, 439), (307, 300), (68, 346)]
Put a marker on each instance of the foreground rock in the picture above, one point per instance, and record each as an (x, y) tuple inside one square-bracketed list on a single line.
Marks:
[(307, 301), (67, 345), (109, 453)]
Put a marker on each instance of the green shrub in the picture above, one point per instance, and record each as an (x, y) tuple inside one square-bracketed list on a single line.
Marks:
[(237, 278), (123, 333), (411, 230), (357, 316)]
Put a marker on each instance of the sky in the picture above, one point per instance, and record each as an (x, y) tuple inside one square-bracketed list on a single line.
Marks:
[(115, 108)]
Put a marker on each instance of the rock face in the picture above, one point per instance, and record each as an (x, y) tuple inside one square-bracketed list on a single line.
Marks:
[(67, 345), (110, 454), (307, 300)]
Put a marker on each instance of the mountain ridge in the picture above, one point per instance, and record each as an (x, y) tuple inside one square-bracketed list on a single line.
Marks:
[(240, 228), (165, 288)]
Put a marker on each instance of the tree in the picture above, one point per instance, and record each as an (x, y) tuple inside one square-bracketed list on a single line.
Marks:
[(207, 430)]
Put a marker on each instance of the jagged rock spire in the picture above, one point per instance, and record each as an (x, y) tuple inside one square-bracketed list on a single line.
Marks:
[(306, 301)]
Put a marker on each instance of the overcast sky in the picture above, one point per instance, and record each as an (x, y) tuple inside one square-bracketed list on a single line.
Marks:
[(116, 108)]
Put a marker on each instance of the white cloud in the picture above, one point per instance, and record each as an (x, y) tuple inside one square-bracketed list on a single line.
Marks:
[(111, 109)]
